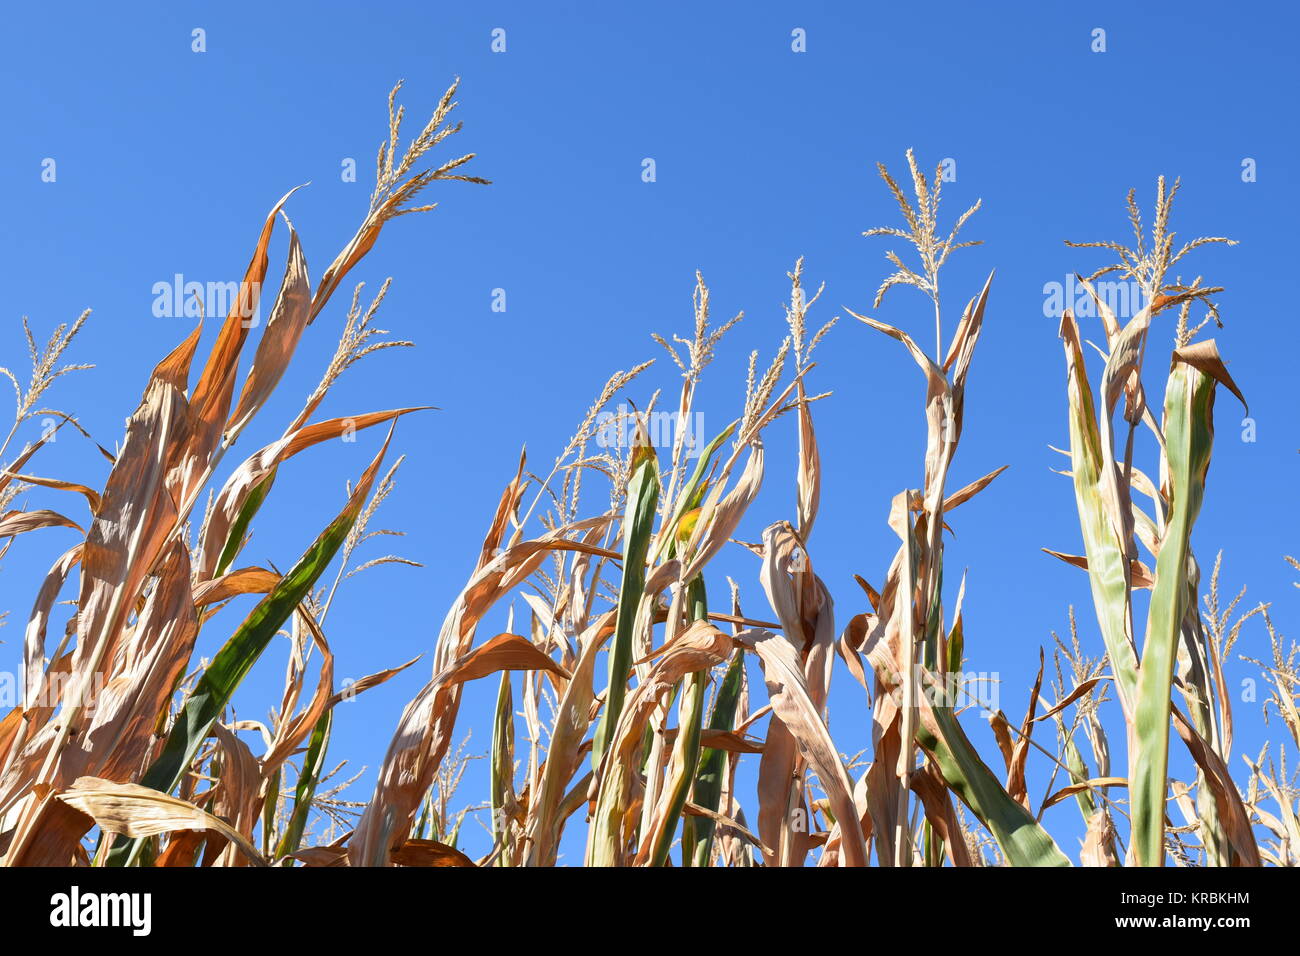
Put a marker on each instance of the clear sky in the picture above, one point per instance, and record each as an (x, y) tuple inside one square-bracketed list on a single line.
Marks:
[(167, 159)]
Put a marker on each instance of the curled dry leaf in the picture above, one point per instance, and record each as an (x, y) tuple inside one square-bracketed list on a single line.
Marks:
[(136, 811)]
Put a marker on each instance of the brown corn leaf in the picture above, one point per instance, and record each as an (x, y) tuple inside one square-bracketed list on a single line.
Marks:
[(215, 388), (970, 491), (730, 741), (1016, 786), (91, 496), (788, 691), (250, 580), (429, 853), (136, 811), (19, 522), (258, 466), (1205, 357), (279, 340), (1094, 784), (411, 760), (1099, 843), (1141, 575)]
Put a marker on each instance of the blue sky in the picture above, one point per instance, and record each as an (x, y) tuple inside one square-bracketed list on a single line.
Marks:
[(168, 159)]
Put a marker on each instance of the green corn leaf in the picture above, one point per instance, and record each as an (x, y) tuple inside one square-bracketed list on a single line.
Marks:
[(1189, 439), (502, 763), (237, 530), (638, 528), (693, 491), (1107, 557), (1079, 774), (689, 724), (270, 805), (697, 832), (305, 790), (1022, 840)]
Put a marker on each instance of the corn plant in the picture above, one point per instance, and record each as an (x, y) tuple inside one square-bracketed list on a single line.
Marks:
[(127, 752), (1105, 478), (95, 740)]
